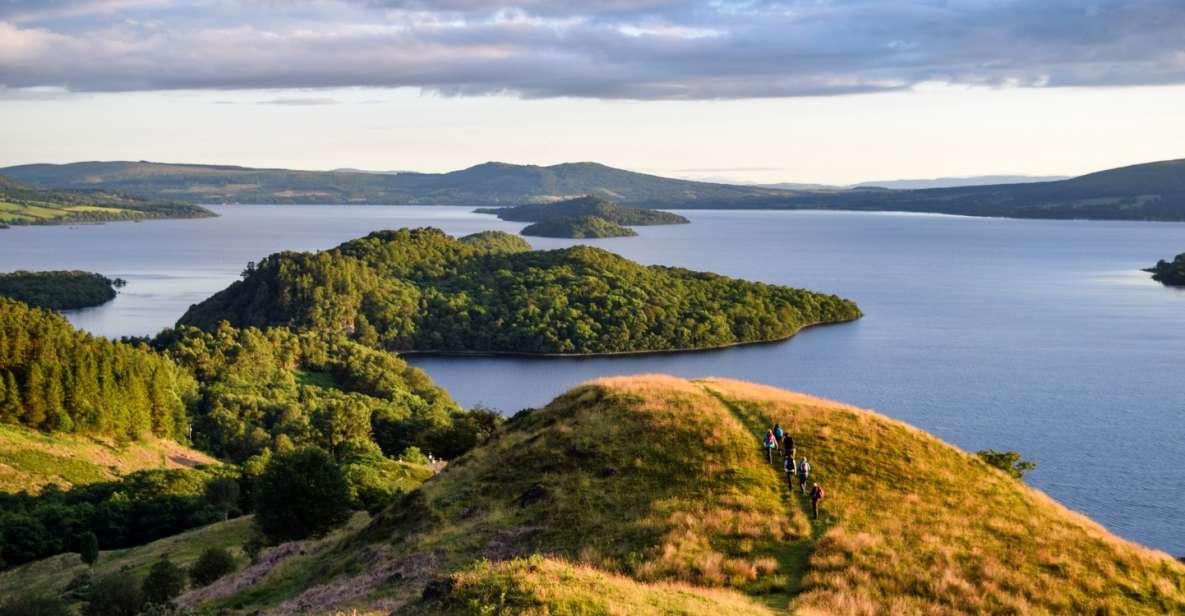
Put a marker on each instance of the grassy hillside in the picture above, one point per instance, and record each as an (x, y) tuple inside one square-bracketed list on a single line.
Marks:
[(54, 574), (651, 490), (25, 205), (30, 460), (485, 184)]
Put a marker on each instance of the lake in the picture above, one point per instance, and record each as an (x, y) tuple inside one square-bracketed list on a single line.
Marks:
[(1038, 336)]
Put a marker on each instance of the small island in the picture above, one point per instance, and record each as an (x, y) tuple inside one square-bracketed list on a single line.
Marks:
[(59, 290), (579, 228), (1170, 273), (420, 290), (584, 217)]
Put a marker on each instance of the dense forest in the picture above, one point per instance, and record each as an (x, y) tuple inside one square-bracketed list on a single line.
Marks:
[(495, 241), (1171, 273), (274, 390), (25, 205), (578, 227), (59, 290), (585, 206), (423, 290), (56, 378)]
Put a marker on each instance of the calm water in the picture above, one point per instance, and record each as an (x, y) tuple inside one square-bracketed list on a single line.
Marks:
[(1038, 336)]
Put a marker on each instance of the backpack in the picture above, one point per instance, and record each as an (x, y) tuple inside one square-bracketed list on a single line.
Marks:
[(818, 493), (804, 468)]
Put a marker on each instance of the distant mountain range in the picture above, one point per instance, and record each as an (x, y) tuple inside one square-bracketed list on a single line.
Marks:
[(950, 182), (1152, 191)]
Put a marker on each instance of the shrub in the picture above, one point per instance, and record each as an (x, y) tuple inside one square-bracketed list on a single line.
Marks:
[(35, 605), (164, 582), (211, 565), (115, 595), (88, 548), (1008, 461), (413, 455), (223, 494), (301, 494)]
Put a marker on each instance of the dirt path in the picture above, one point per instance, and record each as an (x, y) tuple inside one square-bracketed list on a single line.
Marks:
[(793, 558)]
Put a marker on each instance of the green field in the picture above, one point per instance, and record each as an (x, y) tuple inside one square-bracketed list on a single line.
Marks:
[(32, 212)]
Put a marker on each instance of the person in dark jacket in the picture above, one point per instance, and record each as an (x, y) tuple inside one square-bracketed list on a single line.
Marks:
[(788, 446), (816, 496), (788, 466)]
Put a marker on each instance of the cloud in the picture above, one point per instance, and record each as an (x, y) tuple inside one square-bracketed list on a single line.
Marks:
[(612, 49), (300, 102)]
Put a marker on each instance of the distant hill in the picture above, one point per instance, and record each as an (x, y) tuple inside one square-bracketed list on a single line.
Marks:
[(656, 487), (21, 204), (1152, 191), (486, 184), (975, 180)]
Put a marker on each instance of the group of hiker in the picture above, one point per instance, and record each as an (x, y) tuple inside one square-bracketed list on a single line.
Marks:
[(778, 438)]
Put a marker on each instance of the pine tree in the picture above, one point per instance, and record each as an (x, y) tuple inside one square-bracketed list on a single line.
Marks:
[(35, 406), (11, 405)]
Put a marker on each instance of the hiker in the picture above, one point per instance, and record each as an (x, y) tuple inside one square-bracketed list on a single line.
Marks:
[(770, 445), (804, 471), (788, 466), (816, 496), (788, 448), (779, 432)]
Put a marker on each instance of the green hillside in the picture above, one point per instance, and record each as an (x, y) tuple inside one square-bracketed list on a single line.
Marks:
[(421, 290), (25, 205), (583, 207), (485, 184), (578, 227), (653, 489)]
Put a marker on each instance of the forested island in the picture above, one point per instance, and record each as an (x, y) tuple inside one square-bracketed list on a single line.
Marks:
[(1170, 273), (59, 290), (21, 204), (578, 227), (585, 206), (422, 290)]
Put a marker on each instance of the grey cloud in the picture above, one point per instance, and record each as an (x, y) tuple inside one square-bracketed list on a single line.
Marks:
[(616, 49), (300, 102)]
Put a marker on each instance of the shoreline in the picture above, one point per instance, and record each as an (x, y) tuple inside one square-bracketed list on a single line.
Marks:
[(529, 355)]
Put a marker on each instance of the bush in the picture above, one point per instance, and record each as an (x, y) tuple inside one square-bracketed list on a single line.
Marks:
[(115, 595), (413, 455), (164, 582), (1008, 461), (88, 548), (35, 605), (301, 494), (211, 565)]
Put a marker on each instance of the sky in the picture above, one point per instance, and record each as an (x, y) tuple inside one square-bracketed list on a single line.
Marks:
[(827, 91)]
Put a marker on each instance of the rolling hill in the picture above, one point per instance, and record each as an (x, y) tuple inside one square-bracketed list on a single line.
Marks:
[(21, 204), (1151, 191), (486, 184), (649, 494)]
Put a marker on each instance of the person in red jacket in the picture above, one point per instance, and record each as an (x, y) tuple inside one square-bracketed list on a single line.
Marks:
[(816, 496)]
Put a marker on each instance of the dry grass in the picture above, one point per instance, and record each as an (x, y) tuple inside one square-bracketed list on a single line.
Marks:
[(639, 494), (30, 460), (921, 527), (540, 587)]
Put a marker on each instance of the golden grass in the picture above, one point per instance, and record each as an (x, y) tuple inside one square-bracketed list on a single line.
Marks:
[(648, 494), (921, 527), (30, 460)]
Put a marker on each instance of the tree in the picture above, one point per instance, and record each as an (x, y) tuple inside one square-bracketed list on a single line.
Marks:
[(164, 582), (115, 595), (1008, 461), (212, 564), (88, 548), (301, 494), (223, 494)]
